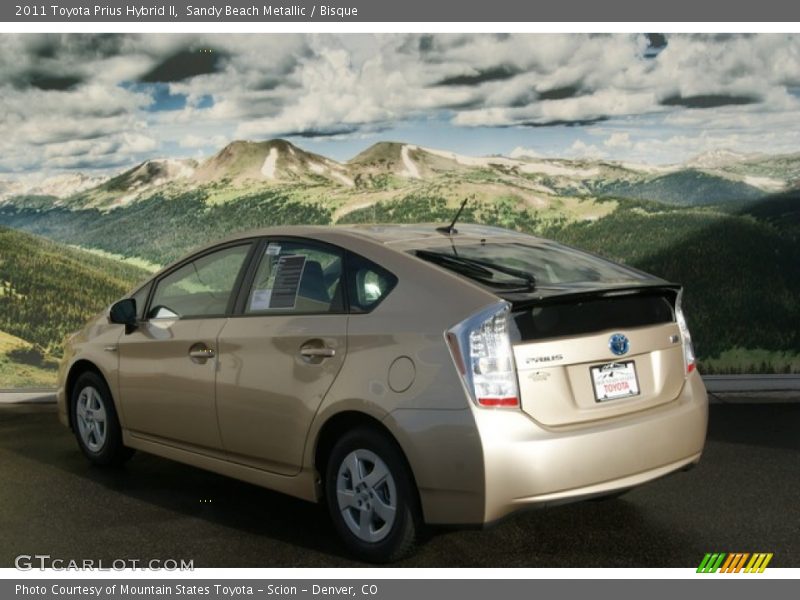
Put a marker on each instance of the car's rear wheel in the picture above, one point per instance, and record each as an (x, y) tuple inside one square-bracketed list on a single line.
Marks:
[(371, 496), (95, 421)]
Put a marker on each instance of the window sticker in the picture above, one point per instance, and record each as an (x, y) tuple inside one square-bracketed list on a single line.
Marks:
[(273, 250), (260, 299), (288, 272)]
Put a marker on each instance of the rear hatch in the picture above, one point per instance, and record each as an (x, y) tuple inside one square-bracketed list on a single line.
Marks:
[(592, 339), (597, 354)]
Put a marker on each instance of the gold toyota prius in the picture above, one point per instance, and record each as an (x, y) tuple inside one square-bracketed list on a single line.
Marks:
[(403, 375)]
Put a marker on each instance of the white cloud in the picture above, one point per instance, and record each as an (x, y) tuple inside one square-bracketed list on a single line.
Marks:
[(339, 85), (618, 139), (137, 143), (201, 141), (580, 149)]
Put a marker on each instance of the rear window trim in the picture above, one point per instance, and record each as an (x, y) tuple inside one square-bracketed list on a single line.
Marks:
[(637, 277)]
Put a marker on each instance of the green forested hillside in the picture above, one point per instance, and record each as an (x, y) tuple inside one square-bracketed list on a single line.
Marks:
[(738, 261), (740, 269), (708, 224), (48, 290), (780, 210), (740, 274), (24, 366), (162, 229), (435, 209), (686, 187)]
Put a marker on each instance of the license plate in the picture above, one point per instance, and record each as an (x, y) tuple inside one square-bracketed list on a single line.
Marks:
[(615, 380)]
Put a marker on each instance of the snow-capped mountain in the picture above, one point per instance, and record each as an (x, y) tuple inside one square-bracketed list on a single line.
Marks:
[(244, 168)]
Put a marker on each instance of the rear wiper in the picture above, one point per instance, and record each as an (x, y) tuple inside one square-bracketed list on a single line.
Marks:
[(456, 262), (480, 270), (529, 279)]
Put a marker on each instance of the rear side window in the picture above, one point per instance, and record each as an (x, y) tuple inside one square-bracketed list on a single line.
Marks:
[(368, 283), (297, 278)]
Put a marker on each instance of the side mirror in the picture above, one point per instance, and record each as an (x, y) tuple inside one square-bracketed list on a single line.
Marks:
[(124, 313)]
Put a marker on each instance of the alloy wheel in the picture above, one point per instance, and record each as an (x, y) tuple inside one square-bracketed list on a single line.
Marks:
[(367, 495), (92, 418)]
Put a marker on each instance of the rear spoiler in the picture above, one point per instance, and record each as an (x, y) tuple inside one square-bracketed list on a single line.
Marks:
[(547, 296), (586, 311)]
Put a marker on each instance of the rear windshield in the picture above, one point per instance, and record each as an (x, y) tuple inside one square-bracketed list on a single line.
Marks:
[(548, 264)]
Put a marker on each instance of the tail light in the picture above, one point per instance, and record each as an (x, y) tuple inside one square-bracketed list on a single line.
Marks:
[(481, 349), (686, 337)]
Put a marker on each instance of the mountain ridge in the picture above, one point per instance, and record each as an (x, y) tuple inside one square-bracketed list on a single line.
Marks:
[(245, 166)]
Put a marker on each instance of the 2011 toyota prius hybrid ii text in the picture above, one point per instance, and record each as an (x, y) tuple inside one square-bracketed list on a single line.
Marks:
[(401, 374)]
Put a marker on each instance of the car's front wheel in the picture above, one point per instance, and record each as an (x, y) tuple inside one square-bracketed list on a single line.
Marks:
[(371, 496), (95, 421)]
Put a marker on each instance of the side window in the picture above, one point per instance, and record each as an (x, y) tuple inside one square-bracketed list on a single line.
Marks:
[(297, 277), (141, 299), (368, 283), (201, 287)]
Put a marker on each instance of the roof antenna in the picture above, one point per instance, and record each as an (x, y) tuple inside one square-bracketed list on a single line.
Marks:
[(451, 229)]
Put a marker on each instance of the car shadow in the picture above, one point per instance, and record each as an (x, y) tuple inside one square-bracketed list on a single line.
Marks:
[(242, 525), (182, 491)]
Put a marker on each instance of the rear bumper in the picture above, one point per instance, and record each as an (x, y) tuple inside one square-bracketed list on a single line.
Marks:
[(526, 464)]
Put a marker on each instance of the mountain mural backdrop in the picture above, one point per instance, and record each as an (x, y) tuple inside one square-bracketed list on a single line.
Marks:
[(725, 225)]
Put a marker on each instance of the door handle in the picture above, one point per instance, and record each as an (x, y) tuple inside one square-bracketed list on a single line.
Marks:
[(318, 352), (200, 353)]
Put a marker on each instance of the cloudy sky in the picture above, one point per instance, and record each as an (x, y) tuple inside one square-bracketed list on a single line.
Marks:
[(103, 102)]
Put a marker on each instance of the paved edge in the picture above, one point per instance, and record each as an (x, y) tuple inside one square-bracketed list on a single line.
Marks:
[(753, 389), (39, 396), (753, 383)]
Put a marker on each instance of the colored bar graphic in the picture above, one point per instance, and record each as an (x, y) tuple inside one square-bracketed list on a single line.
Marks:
[(703, 563), (711, 562), (758, 563), (741, 562), (749, 567), (719, 562), (727, 564), (734, 562)]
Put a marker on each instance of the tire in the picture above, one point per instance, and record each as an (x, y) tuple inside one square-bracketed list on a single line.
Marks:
[(360, 506), (95, 422)]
